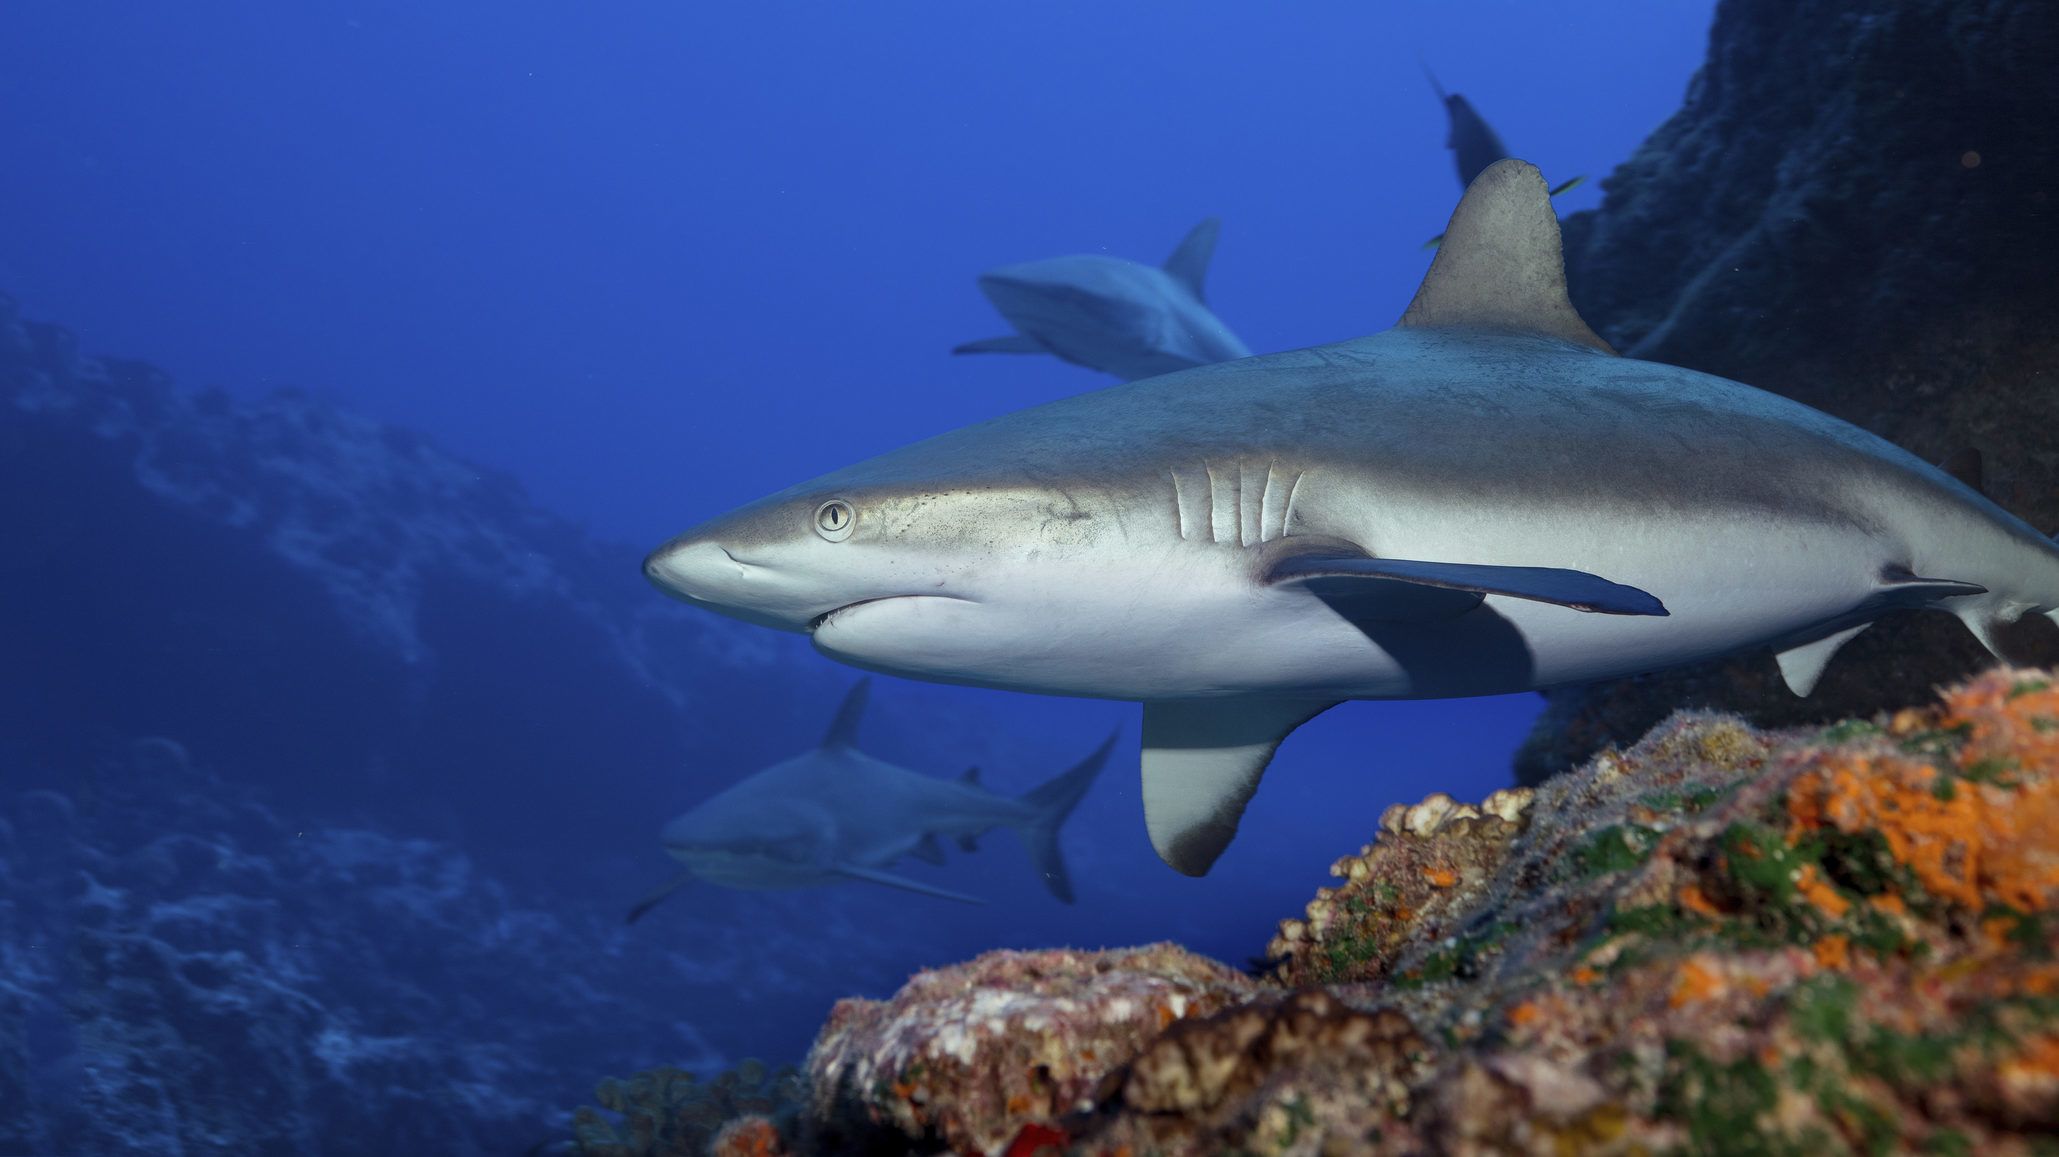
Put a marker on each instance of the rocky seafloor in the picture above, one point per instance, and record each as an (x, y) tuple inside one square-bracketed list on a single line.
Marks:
[(1718, 940)]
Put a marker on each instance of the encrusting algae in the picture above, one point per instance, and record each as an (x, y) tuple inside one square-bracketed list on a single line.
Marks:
[(1719, 940)]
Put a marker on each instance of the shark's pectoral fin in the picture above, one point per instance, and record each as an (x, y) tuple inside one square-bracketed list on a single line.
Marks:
[(1014, 343), (1499, 265), (656, 895), (1203, 759), (875, 876), (1406, 589), (1802, 666), (928, 850)]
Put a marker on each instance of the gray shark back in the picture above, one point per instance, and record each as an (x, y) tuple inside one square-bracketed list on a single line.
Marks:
[(1112, 314)]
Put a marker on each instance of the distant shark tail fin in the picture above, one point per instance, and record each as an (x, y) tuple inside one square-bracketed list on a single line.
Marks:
[(1051, 803)]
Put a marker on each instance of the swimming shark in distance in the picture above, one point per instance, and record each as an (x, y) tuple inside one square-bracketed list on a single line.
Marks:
[(1112, 314), (1474, 144), (1483, 499), (835, 813)]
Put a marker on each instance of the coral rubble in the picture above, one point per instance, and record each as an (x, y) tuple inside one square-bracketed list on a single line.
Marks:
[(1834, 940)]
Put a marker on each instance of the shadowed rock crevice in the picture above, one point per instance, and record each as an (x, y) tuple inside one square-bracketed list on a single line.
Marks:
[(1851, 208)]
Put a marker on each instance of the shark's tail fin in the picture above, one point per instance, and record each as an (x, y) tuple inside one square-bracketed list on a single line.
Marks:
[(1050, 804)]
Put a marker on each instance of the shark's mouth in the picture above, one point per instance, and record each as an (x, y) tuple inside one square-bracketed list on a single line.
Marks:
[(827, 617), (815, 624)]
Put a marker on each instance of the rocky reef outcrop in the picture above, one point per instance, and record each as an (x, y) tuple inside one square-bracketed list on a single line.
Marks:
[(184, 969), (1823, 940), (1852, 208)]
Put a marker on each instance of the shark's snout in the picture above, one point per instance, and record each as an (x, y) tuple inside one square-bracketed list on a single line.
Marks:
[(694, 570)]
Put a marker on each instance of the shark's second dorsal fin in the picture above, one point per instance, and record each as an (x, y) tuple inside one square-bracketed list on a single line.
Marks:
[(1500, 266), (1188, 264), (843, 730)]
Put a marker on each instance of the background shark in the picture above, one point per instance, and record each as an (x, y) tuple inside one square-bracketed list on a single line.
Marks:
[(1112, 314), (1473, 142), (1483, 499), (835, 813)]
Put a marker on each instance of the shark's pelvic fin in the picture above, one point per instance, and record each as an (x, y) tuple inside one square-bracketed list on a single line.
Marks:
[(1983, 623), (1014, 343), (928, 850), (1499, 266), (875, 876), (1340, 575), (1802, 666), (843, 730), (1203, 759), (1188, 264), (655, 895)]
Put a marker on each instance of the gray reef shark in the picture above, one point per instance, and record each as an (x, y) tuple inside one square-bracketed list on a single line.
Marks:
[(1483, 499), (1112, 314), (835, 813), (1473, 142)]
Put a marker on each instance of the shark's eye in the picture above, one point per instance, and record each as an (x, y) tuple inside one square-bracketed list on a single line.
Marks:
[(834, 519)]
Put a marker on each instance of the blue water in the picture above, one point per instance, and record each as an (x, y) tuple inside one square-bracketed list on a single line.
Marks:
[(658, 259)]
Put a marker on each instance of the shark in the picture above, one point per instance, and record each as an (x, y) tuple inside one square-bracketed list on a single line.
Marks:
[(1473, 142), (1112, 314), (834, 813), (1484, 498)]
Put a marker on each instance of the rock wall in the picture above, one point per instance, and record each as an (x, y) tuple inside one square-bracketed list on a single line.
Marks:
[(1853, 207)]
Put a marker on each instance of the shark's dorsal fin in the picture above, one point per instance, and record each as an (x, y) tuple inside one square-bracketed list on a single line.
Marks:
[(1499, 266), (1202, 761), (1188, 264), (843, 730)]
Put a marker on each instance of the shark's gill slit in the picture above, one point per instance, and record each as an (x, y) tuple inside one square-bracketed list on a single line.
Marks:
[(1287, 515), (1179, 504)]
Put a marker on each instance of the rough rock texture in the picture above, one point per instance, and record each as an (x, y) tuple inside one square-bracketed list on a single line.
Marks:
[(962, 1057), (1852, 208), (1824, 941), (667, 1112), (183, 970)]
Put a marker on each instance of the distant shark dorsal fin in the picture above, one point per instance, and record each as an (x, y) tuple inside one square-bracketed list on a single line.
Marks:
[(843, 730), (1188, 264), (1202, 761), (1499, 266)]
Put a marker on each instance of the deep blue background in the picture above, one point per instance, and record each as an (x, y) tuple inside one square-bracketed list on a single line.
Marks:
[(659, 258)]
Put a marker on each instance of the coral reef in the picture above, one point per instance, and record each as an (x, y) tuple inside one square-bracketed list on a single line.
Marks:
[(1848, 209), (668, 1112), (184, 969), (1817, 940), (962, 1058)]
